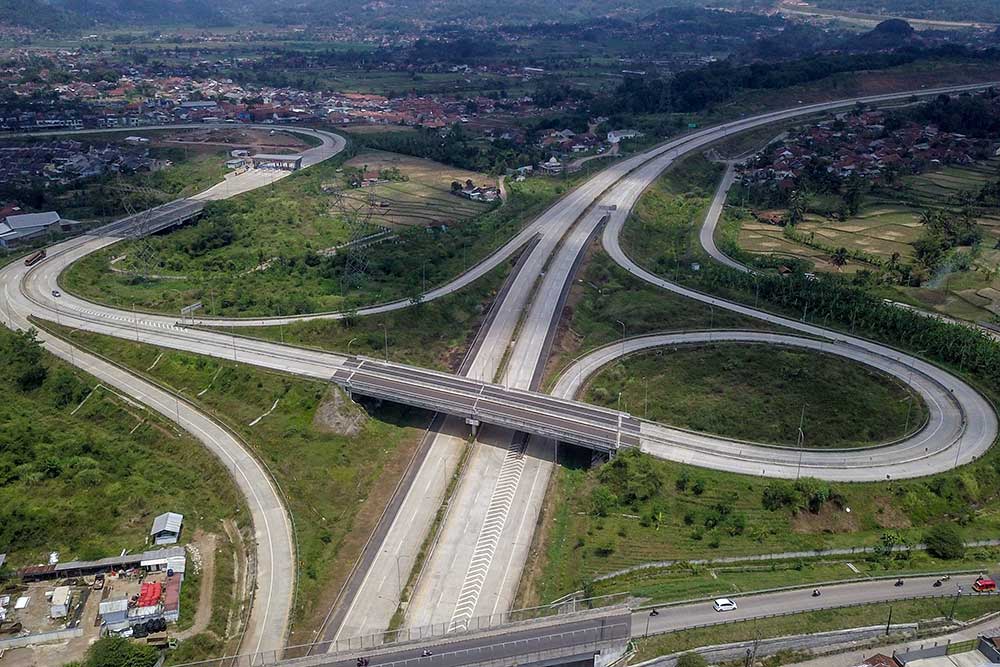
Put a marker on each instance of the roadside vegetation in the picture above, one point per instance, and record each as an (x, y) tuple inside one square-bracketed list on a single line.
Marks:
[(638, 509), (274, 251), (335, 464), (84, 472), (909, 611), (433, 334), (762, 393), (691, 581)]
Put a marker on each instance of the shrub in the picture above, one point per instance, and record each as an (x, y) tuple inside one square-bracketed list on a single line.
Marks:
[(778, 494), (119, 652), (691, 660), (602, 500), (945, 542), (605, 549)]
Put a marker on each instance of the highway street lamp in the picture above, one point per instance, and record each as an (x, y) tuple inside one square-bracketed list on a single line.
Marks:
[(349, 345), (385, 331), (651, 615), (954, 602), (623, 339), (801, 440)]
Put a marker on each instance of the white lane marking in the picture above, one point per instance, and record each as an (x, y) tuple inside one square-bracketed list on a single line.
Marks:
[(489, 534)]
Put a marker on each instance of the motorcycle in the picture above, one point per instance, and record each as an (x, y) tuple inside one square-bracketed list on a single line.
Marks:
[(816, 593), (899, 582)]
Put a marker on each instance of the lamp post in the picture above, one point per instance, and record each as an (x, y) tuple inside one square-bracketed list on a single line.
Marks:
[(623, 339), (385, 331), (349, 345)]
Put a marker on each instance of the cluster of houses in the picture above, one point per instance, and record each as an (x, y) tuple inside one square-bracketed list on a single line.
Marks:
[(860, 144), (64, 161), (140, 592)]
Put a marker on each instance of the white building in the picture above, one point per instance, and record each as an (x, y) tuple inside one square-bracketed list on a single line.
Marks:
[(614, 136), (59, 605)]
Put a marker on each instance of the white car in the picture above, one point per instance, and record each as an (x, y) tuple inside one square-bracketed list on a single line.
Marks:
[(724, 604)]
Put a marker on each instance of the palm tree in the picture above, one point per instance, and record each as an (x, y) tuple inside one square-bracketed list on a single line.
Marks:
[(839, 257)]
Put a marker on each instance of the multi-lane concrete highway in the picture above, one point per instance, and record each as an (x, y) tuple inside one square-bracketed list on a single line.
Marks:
[(488, 528)]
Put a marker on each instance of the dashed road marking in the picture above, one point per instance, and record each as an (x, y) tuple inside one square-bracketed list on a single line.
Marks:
[(489, 535)]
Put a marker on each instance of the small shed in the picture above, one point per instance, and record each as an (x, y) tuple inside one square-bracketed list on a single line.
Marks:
[(114, 612), (59, 605), (167, 528)]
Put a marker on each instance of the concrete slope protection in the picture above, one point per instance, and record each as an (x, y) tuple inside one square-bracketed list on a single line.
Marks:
[(274, 557)]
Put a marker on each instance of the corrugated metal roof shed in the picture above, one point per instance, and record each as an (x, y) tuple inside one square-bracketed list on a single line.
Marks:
[(113, 606), (168, 521)]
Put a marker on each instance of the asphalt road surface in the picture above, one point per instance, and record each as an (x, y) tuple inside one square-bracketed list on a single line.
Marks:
[(698, 614)]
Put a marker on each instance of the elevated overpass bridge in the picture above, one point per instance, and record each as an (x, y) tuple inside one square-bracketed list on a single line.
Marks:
[(483, 402)]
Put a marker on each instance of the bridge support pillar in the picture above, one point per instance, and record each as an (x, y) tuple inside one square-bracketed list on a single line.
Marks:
[(474, 424)]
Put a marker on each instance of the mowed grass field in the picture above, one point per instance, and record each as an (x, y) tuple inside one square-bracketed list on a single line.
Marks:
[(422, 200), (890, 223)]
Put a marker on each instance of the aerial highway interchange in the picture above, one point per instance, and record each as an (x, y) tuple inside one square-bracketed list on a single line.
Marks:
[(474, 568)]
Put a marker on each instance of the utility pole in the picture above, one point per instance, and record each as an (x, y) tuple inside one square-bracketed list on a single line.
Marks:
[(888, 622), (645, 398), (135, 320), (623, 339), (802, 439), (385, 331), (954, 603)]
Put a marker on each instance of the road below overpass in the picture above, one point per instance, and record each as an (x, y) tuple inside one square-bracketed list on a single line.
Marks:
[(488, 527), (672, 618)]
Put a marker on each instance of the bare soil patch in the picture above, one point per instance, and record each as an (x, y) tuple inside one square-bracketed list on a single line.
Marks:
[(829, 519)]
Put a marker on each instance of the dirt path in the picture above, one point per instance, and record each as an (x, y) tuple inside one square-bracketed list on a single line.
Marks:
[(205, 543)]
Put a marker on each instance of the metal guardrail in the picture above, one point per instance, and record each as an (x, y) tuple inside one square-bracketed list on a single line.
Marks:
[(492, 416), (386, 642), (580, 642), (780, 614)]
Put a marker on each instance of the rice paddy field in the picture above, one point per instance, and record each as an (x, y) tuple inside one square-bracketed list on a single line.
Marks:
[(423, 199), (890, 223)]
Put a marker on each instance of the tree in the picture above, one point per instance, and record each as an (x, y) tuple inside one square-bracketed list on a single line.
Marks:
[(797, 204), (455, 186), (839, 257), (945, 542), (119, 652), (22, 360), (602, 500)]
